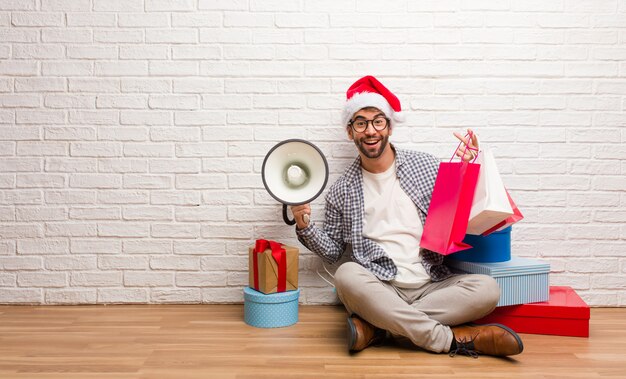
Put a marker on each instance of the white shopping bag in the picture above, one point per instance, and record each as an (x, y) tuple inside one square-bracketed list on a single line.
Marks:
[(491, 204)]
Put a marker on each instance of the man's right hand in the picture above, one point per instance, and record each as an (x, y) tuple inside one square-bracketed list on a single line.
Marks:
[(298, 214)]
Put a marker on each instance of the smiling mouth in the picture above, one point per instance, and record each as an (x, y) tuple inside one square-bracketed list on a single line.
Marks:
[(371, 143)]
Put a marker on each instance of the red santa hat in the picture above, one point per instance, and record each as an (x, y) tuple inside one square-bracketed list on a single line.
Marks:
[(369, 92)]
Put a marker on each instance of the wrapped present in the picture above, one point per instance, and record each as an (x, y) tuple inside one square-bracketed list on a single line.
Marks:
[(273, 310), (496, 247), (273, 267), (564, 314), (521, 280)]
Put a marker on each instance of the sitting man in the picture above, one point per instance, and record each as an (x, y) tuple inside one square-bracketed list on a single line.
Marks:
[(379, 206)]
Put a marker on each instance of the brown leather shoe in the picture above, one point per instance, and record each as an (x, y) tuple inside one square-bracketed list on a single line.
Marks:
[(489, 339), (362, 334)]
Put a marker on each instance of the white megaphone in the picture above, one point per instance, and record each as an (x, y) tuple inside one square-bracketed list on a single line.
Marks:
[(294, 172)]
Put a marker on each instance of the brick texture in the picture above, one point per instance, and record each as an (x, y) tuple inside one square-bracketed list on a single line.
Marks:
[(132, 132)]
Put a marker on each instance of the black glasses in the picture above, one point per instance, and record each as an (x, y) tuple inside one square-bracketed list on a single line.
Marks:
[(360, 124)]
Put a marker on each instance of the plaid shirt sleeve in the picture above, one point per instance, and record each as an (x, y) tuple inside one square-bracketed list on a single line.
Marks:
[(327, 242)]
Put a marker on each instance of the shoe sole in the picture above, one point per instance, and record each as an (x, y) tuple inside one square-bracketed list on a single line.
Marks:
[(351, 337), (519, 340)]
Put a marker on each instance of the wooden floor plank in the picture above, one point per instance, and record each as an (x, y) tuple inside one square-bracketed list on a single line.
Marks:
[(212, 341)]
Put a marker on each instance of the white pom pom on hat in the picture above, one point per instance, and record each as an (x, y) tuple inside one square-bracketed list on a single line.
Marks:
[(369, 92)]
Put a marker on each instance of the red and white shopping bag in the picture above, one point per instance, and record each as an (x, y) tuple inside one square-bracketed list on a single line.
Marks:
[(517, 215), (491, 204)]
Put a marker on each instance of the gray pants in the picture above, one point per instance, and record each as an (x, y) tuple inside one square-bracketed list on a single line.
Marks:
[(423, 315)]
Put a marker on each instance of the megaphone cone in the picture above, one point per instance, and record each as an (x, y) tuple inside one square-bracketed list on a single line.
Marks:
[(294, 172)]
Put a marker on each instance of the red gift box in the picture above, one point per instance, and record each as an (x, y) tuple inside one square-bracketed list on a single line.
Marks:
[(565, 314)]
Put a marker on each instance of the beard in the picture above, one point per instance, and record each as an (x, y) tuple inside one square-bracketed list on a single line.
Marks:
[(372, 151)]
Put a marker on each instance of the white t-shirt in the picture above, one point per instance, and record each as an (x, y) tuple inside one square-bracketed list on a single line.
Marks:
[(392, 221)]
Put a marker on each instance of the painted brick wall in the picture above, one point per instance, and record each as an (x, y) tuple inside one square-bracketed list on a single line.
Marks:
[(132, 131)]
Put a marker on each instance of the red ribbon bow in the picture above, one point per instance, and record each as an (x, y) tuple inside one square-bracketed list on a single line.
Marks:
[(280, 256)]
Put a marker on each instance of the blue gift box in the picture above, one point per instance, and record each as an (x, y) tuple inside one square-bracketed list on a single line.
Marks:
[(521, 280), (496, 247), (273, 310)]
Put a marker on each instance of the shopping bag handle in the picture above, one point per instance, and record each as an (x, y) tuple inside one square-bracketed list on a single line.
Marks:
[(468, 136)]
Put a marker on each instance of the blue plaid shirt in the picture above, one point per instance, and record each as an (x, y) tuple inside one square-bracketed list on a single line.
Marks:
[(344, 217)]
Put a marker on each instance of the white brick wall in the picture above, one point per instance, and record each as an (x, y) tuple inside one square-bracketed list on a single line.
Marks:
[(132, 132)]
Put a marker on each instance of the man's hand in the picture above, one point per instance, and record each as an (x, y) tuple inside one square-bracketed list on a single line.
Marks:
[(302, 215), (472, 146)]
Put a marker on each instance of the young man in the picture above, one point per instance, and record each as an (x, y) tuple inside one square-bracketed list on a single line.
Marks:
[(379, 207)]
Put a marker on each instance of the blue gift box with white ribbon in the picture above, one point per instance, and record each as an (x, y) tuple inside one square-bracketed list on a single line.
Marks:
[(495, 247), (521, 280), (273, 310)]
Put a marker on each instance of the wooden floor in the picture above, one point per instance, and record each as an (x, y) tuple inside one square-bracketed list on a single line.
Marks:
[(212, 341)]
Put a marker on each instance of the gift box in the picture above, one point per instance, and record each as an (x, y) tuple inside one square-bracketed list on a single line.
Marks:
[(496, 247), (270, 311), (521, 280), (273, 267), (564, 314)]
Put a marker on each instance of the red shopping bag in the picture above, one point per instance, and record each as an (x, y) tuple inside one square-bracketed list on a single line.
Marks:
[(517, 215), (450, 206)]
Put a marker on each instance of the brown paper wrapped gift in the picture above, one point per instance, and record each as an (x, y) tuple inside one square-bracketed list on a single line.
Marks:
[(269, 270)]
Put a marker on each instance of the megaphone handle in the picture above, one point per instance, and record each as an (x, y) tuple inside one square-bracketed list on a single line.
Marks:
[(286, 217)]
